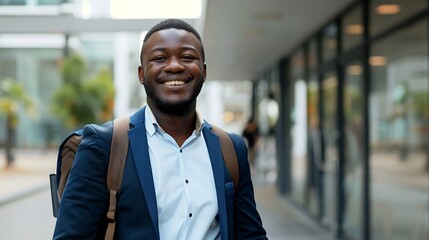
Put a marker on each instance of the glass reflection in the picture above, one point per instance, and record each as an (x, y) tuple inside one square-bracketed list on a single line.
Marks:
[(387, 13), (330, 42), (399, 136), (314, 164), (298, 128), (353, 133), (330, 150), (352, 28)]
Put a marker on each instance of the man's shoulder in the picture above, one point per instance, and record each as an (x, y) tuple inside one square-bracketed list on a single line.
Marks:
[(98, 134), (102, 130), (236, 139)]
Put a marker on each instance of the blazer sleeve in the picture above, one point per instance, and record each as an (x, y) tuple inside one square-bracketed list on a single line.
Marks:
[(84, 202), (247, 221)]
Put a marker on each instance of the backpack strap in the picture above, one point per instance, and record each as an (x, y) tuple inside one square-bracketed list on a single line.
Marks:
[(68, 154), (115, 171), (229, 155)]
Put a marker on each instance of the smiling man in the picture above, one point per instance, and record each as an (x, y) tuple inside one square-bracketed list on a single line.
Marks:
[(175, 184)]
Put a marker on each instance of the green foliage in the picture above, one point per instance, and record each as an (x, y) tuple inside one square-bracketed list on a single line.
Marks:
[(74, 70), (420, 102), (81, 100), (13, 95)]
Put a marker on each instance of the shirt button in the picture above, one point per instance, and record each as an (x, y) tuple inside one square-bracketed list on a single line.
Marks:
[(180, 150), (190, 214), (186, 181)]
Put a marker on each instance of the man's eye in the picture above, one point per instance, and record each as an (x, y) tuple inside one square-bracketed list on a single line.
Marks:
[(159, 59), (188, 58)]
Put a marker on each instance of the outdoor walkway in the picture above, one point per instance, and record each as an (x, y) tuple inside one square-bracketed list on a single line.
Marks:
[(281, 220)]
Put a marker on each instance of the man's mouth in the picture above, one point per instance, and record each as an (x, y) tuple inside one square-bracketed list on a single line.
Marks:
[(175, 83)]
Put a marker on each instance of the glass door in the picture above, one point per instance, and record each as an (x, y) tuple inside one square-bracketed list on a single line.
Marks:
[(351, 194), (329, 130)]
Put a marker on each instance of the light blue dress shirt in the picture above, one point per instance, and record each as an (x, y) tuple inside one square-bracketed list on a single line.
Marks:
[(184, 184)]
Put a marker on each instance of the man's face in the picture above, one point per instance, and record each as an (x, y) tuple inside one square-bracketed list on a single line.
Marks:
[(172, 71)]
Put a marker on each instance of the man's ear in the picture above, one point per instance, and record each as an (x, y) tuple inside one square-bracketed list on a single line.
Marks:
[(141, 74), (205, 71)]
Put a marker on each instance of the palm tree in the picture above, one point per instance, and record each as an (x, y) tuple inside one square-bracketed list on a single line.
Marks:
[(82, 99), (12, 96)]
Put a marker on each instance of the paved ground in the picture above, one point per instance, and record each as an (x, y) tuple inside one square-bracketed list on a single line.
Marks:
[(29, 175)]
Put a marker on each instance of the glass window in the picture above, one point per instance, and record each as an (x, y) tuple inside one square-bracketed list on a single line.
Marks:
[(399, 118), (330, 42), (274, 82), (297, 63), (7, 68), (12, 2), (387, 13), (49, 2), (313, 170), (268, 92), (298, 116), (353, 158), (330, 149), (262, 91), (24, 2), (312, 54), (352, 28), (298, 131)]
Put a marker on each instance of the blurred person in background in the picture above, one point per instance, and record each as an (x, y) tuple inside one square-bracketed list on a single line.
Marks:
[(175, 184), (250, 134)]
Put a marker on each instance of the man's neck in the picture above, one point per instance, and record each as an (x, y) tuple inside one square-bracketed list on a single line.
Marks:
[(180, 127)]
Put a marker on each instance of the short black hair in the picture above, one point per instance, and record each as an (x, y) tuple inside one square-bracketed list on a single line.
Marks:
[(172, 23)]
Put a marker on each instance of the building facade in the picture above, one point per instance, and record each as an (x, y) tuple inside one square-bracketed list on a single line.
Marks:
[(353, 130)]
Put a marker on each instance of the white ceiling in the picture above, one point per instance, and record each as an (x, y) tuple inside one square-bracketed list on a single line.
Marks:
[(244, 37), (241, 37)]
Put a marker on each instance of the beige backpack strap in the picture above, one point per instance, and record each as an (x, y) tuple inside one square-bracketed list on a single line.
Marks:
[(67, 156), (229, 155), (115, 171)]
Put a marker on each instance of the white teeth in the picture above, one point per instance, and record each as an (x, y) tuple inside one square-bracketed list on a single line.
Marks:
[(174, 83)]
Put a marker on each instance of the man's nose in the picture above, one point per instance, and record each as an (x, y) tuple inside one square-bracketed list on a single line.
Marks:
[(174, 65)]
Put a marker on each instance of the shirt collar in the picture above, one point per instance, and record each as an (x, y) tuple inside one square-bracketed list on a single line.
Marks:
[(152, 125), (199, 124)]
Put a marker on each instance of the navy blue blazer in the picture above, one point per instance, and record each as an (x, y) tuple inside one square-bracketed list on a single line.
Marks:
[(82, 213)]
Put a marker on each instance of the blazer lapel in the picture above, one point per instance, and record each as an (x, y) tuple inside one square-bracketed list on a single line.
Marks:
[(140, 152), (215, 153)]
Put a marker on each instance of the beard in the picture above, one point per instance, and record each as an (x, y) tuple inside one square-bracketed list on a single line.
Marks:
[(177, 107)]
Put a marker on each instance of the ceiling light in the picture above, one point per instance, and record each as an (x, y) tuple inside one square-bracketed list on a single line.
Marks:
[(329, 83), (388, 9), (355, 29), (377, 61), (354, 70)]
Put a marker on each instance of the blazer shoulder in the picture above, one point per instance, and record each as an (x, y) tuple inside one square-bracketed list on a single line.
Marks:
[(98, 134)]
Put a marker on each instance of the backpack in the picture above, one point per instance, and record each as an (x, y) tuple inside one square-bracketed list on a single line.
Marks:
[(118, 155)]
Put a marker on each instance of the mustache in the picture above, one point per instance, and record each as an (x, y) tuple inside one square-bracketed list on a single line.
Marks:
[(174, 77)]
